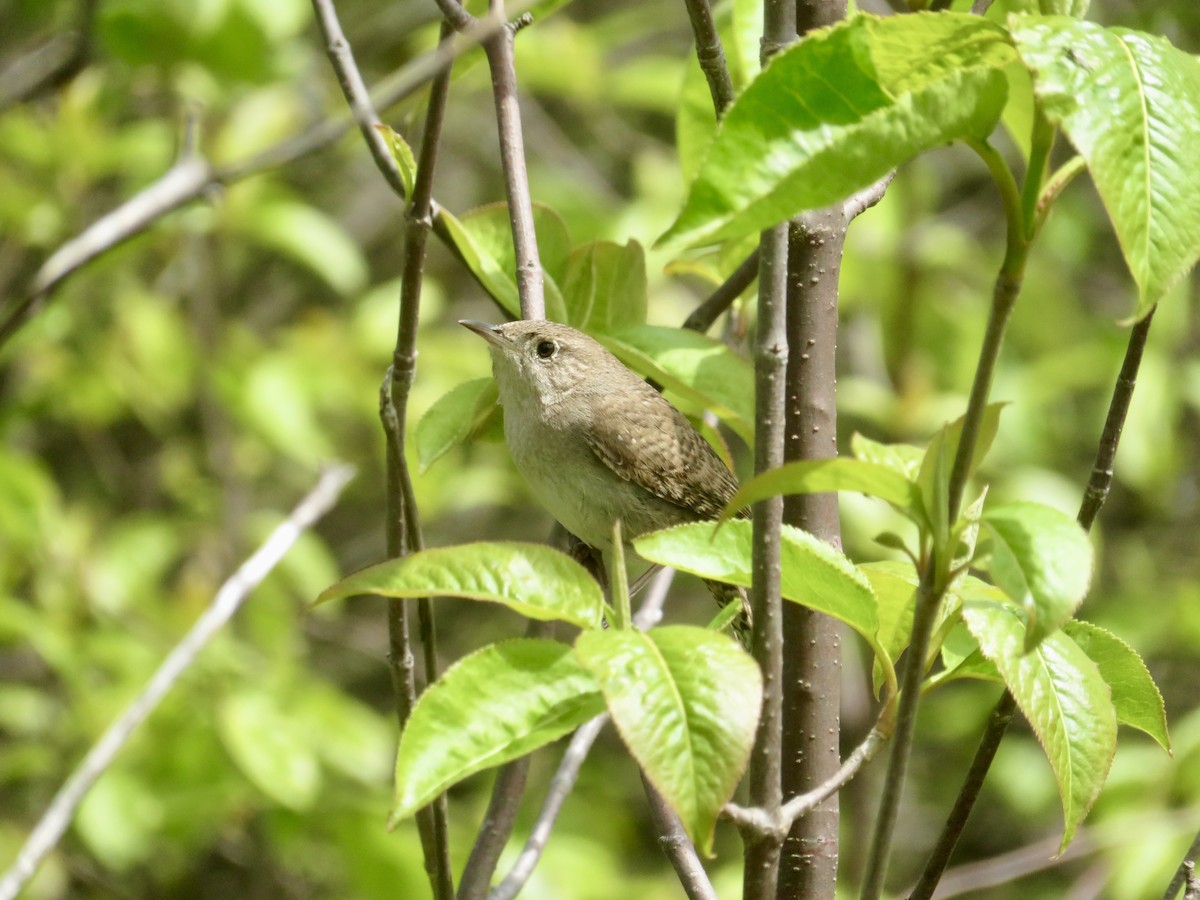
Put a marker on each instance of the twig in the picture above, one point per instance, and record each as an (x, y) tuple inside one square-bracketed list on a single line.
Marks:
[(710, 54), (1100, 481), (232, 594), (560, 787), (678, 846), (997, 725), (1186, 873), (354, 89), (722, 298), (52, 64), (193, 178), (568, 768), (858, 203), (530, 279), (403, 523), (756, 824)]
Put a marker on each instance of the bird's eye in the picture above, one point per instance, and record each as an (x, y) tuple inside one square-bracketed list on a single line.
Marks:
[(546, 349)]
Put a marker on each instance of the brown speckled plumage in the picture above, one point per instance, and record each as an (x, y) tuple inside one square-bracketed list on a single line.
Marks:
[(595, 442)]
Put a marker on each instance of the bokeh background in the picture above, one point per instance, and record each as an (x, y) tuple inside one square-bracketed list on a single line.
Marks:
[(171, 401)]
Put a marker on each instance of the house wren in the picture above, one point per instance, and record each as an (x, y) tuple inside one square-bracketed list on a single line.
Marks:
[(597, 443)]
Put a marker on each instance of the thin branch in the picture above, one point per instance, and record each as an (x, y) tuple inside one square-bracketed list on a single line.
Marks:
[(756, 824), (997, 725), (1100, 481), (560, 787), (710, 54), (858, 203), (770, 355), (722, 298), (859, 757), (193, 178), (495, 829), (678, 847), (354, 89), (1186, 873), (232, 594), (52, 64), (568, 769), (530, 279), (934, 573)]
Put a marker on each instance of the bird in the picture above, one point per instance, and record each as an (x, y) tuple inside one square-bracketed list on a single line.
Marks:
[(597, 443)]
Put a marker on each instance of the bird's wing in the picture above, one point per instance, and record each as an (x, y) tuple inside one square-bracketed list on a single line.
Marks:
[(646, 440)]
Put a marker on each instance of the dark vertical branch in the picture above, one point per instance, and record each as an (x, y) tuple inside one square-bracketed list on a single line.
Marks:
[(761, 871), (812, 665), (811, 723), (710, 54), (1094, 496), (770, 358), (404, 530)]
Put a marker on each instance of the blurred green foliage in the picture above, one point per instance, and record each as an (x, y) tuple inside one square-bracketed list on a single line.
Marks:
[(172, 399)]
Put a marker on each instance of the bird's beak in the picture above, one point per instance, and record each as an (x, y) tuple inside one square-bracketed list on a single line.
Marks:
[(489, 333)]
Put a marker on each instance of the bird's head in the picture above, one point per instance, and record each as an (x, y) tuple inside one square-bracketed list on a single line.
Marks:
[(541, 362)]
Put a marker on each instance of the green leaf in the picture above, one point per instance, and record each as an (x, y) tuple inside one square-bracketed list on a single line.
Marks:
[(1042, 559), (270, 749), (815, 476), (686, 702), (703, 370), (838, 110), (605, 286), (814, 574), (1074, 8), (962, 658), (311, 239), (1062, 694), (1127, 101), (403, 155), (531, 579), (936, 467), (489, 708), (903, 459), (894, 584), (1134, 693), (483, 238), (456, 416)]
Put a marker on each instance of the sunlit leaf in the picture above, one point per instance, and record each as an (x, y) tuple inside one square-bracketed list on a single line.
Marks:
[(489, 708), (1130, 103), (1042, 559), (686, 702), (814, 574), (815, 476), (605, 286), (454, 418), (838, 110), (402, 154), (531, 579), (1135, 695), (1062, 694)]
